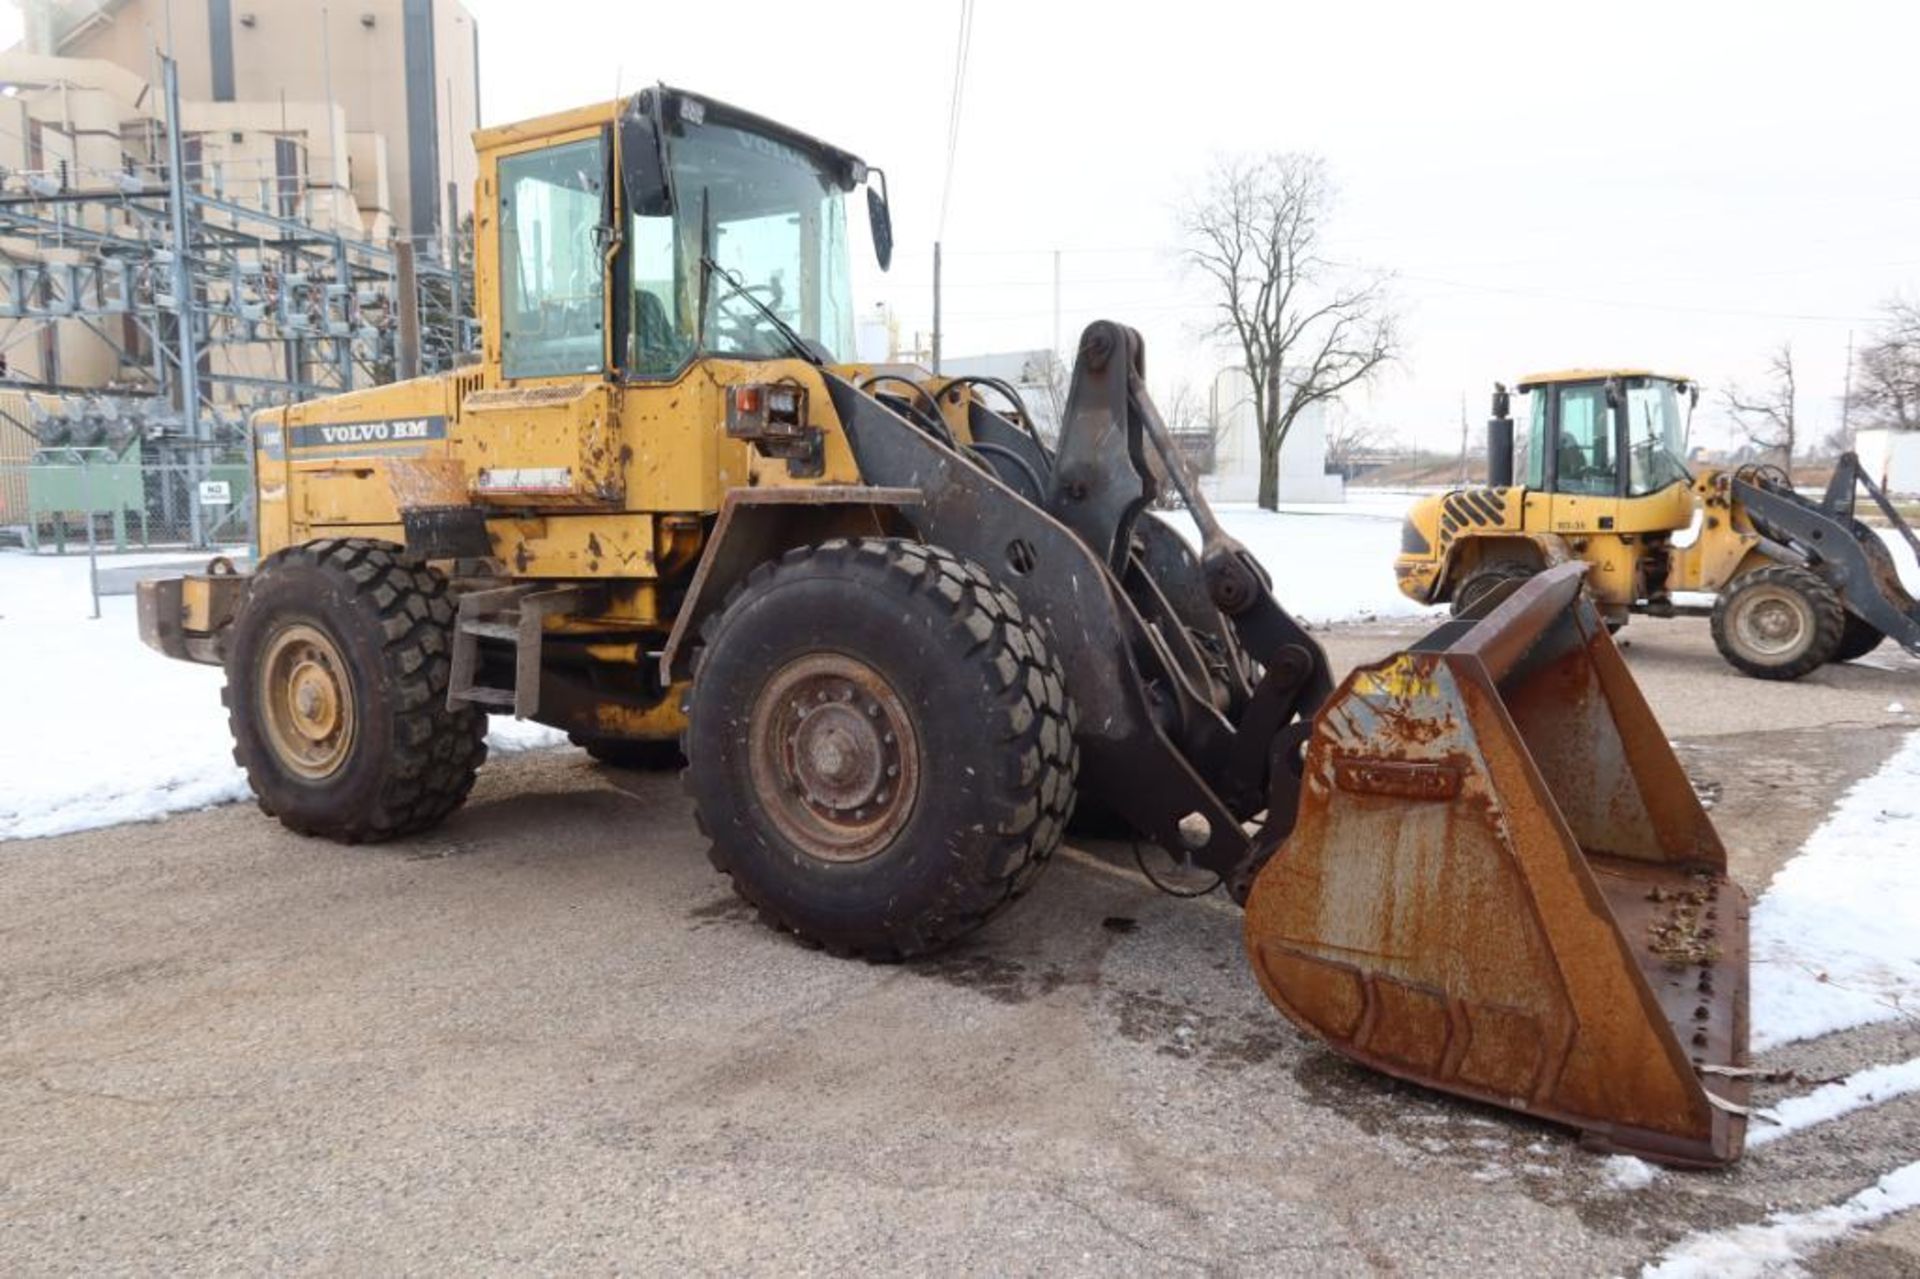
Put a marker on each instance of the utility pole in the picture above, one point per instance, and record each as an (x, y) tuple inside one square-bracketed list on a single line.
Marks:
[(1463, 438), (407, 282), (183, 301), (936, 306), (1846, 397), (1056, 304), (457, 343)]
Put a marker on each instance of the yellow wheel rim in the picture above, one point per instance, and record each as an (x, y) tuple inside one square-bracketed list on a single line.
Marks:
[(306, 700)]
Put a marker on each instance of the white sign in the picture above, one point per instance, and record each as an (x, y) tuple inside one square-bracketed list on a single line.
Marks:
[(216, 493)]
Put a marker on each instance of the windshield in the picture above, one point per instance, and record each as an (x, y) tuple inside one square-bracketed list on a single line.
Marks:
[(1656, 436), (773, 221)]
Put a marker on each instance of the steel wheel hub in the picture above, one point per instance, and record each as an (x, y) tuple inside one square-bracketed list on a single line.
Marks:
[(306, 701), (835, 757), (1774, 623)]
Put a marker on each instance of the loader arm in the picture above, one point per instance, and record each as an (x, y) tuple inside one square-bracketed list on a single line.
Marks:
[(1826, 536), (1191, 725)]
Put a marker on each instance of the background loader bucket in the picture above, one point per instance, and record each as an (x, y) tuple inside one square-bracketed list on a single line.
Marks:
[(1501, 884)]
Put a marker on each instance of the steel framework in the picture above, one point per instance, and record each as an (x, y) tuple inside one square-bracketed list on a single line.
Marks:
[(169, 274)]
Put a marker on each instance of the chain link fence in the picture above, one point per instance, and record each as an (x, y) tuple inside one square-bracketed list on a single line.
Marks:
[(66, 501)]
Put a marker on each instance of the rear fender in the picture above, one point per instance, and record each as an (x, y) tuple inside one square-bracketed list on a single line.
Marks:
[(1463, 555)]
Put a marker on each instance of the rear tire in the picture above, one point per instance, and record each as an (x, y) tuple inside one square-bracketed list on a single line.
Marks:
[(1857, 639), (626, 752), (1474, 587), (1778, 622), (880, 746), (337, 693)]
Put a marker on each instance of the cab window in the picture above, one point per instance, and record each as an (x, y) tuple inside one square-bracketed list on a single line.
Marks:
[(552, 278), (1583, 451), (661, 333), (1531, 464)]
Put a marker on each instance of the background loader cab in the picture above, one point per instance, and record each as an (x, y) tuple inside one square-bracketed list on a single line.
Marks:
[(1598, 476)]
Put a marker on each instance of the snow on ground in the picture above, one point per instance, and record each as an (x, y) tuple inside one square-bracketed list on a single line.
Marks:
[(1834, 939), (1776, 1245), (97, 729), (1857, 1091), (1329, 563)]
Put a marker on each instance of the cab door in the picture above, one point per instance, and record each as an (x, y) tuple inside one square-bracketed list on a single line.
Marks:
[(1583, 462)]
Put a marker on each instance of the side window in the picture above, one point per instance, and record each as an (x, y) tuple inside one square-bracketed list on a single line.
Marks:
[(1584, 452), (552, 278), (661, 336), (1531, 465)]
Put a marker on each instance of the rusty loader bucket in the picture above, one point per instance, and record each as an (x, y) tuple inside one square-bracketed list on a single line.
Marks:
[(1501, 884)]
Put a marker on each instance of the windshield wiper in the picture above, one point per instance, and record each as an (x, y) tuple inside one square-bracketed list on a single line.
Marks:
[(800, 346)]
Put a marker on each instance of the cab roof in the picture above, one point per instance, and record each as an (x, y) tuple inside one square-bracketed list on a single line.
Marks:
[(602, 113), (1532, 380)]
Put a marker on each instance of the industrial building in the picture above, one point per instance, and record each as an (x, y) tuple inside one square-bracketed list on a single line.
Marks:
[(207, 206)]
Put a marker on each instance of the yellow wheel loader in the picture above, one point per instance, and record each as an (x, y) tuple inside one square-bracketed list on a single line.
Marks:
[(894, 633), (1600, 481)]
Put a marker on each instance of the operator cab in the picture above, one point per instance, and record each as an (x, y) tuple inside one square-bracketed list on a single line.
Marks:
[(1604, 433), (689, 228)]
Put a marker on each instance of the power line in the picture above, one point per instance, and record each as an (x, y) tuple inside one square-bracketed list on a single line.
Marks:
[(955, 100)]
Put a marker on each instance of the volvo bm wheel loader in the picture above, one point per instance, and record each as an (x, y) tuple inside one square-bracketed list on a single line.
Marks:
[(1797, 583), (895, 632)]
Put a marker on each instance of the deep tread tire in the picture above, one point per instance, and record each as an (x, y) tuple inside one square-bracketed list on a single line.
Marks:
[(987, 701), (412, 761), (626, 752), (1824, 621), (1474, 587), (1857, 638)]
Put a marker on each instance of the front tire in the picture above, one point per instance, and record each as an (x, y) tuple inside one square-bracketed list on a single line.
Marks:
[(1778, 622), (1483, 580), (880, 746), (337, 693)]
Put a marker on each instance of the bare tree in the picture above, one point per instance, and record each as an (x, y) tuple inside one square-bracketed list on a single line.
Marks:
[(1349, 438), (1185, 410), (1305, 328), (1765, 414), (1886, 384)]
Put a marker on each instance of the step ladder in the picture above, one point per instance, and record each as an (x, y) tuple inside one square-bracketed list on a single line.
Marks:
[(516, 615)]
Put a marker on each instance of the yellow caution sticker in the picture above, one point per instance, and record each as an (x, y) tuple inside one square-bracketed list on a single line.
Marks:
[(1401, 678)]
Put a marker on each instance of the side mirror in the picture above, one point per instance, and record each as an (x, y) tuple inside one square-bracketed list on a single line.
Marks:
[(880, 218), (644, 167)]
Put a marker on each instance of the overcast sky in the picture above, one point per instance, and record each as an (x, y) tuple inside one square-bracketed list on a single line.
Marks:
[(1674, 184)]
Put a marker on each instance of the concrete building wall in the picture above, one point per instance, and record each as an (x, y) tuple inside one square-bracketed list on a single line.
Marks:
[(1891, 459), (358, 55), (1303, 456)]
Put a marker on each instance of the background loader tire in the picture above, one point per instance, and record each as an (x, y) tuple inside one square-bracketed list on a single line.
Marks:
[(1857, 639), (1475, 585), (626, 752), (880, 746), (337, 693), (1778, 622)]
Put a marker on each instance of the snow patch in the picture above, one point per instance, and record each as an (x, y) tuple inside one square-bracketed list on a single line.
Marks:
[(1624, 1172), (1777, 1245), (1833, 940), (97, 728), (1842, 1097), (1328, 563)]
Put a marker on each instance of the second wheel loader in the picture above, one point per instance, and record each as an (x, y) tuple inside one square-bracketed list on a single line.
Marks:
[(1795, 583), (895, 632)]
